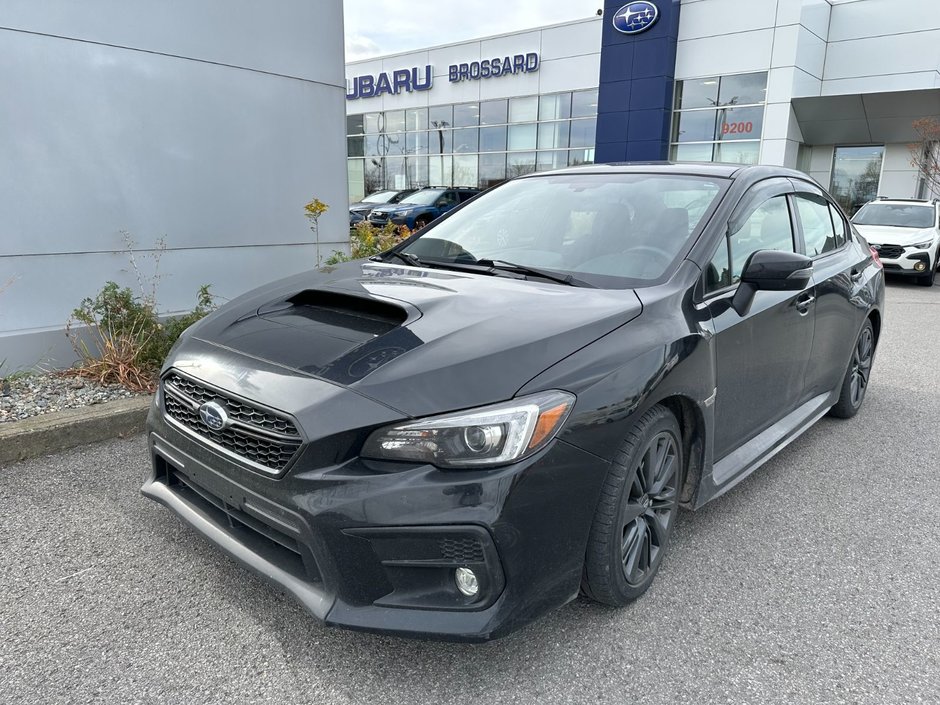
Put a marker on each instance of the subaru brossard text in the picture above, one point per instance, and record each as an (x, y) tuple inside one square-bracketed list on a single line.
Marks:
[(510, 407)]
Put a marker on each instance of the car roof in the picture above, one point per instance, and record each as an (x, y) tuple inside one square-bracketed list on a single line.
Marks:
[(750, 172), (902, 202)]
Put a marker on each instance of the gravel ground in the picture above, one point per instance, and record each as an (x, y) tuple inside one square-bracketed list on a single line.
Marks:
[(817, 580), (34, 394)]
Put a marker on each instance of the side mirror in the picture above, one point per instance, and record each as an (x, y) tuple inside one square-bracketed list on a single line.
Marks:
[(771, 270)]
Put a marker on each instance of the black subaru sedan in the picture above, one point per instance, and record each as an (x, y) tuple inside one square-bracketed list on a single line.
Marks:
[(509, 408)]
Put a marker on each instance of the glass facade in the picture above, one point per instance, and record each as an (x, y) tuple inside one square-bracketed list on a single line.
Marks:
[(469, 144), (856, 174), (719, 119)]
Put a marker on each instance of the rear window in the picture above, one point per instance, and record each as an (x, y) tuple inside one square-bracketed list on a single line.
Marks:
[(896, 215)]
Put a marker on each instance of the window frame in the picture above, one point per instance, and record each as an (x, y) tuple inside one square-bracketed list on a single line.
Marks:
[(805, 187)]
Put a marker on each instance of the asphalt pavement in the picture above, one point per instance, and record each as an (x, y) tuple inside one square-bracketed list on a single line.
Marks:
[(817, 580)]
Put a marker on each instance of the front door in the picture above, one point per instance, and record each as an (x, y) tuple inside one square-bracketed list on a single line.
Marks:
[(761, 357)]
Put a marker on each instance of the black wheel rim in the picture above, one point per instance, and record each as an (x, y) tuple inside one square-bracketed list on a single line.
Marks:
[(861, 366), (650, 508)]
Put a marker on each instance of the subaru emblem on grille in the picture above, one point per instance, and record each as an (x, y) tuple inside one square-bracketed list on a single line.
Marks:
[(214, 415)]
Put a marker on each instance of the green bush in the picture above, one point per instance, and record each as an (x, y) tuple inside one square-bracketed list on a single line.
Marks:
[(366, 240)]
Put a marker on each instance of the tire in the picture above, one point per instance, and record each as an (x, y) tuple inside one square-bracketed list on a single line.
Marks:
[(422, 221), (636, 511), (855, 382)]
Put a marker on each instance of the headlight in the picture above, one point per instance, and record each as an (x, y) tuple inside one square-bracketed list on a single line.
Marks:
[(488, 436), (922, 245)]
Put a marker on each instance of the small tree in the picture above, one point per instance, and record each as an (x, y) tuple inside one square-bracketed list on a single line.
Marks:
[(313, 211), (366, 240), (925, 154)]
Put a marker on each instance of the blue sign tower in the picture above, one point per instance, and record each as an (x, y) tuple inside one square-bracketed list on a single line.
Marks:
[(638, 64)]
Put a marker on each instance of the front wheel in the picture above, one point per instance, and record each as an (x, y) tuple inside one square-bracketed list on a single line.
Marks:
[(636, 512), (855, 382)]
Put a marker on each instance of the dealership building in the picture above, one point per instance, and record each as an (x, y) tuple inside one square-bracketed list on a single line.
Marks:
[(830, 87)]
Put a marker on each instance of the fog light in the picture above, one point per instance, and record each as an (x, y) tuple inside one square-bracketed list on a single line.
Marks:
[(920, 267), (467, 582)]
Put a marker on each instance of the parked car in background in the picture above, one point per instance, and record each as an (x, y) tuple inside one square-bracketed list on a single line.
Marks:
[(906, 234), (510, 407), (359, 211), (421, 207)]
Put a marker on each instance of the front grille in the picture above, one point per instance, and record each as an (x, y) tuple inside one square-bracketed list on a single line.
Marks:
[(267, 440), (890, 251)]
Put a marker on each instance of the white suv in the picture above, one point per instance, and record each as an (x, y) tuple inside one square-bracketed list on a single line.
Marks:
[(906, 234)]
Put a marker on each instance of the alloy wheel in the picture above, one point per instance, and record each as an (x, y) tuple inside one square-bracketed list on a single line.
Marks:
[(650, 508), (861, 366)]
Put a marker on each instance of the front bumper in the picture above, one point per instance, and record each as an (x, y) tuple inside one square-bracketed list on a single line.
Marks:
[(905, 263), (364, 548)]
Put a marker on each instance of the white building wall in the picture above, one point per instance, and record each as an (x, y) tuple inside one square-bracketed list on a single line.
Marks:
[(570, 60), (168, 120)]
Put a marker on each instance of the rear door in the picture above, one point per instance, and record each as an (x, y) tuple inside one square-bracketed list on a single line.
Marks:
[(838, 272), (761, 357)]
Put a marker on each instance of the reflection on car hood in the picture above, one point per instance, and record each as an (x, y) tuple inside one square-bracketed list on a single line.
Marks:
[(888, 235), (422, 341), (397, 208)]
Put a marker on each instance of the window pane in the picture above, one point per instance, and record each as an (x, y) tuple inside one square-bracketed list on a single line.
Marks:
[(700, 93), (584, 104), (695, 126), (551, 160), (417, 142), (521, 163), (440, 141), (555, 107), (740, 123), (466, 115), (465, 170), (371, 121), (744, 89), (493, 112), (395, 175), (524, 109), (817, 224), (393, 143), (718, 272), (838, 225), (395, 121), (356, 180), (492, 169), (355, 146), (440, 171), (416, 119), (692, 152), (522, 137), (738, 152), (441, 116), (355, 124), (417, 171), (582, 133), (768, 228), (492, 139), (580, 156), (372, 146), (553, 135), (374, 176), (856, 175), (467, 140)]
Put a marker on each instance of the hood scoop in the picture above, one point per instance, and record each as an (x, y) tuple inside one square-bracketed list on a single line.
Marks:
[(328, 310)]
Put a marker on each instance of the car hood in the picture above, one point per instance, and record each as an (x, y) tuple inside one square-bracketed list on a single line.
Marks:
[(888, 235), (418, 340), (397, 209)]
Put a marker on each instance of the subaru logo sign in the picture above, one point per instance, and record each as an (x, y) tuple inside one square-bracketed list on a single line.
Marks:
[(213, 415), (636, 17)]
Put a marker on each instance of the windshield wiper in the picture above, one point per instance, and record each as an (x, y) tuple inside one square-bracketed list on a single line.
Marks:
[(405, 257), (566, 279)]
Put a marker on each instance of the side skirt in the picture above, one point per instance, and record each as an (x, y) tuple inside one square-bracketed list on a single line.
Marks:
[(739, 464)]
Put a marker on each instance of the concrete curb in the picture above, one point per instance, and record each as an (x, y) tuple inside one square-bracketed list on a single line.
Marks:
[(61, 430)]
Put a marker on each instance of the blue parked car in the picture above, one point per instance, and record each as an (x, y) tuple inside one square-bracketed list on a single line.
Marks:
[(421, 207), (360, 211)]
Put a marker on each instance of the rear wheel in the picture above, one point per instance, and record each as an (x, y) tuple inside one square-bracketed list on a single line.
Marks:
[(636, 511), (422, 221), (855, 383)]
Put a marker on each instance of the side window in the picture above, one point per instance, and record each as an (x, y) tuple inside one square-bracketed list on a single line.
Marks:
[(817, 224), (767, 228), (449, 198), (838, 224), (465, 195)]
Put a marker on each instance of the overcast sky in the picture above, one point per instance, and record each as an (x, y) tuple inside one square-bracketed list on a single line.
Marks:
[(377, 27)]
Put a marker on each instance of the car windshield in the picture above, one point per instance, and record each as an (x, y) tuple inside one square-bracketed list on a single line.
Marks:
[(896, 215), (422, 198), (380, 197), (610, 230)]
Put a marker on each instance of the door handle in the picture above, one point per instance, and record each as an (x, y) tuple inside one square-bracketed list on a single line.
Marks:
[(803, 303), (857, 274)]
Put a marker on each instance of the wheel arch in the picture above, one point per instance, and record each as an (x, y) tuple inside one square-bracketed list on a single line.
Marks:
[(693, 428), (875, 317)]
